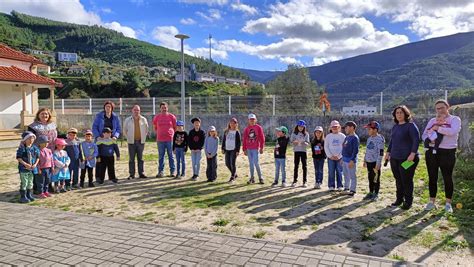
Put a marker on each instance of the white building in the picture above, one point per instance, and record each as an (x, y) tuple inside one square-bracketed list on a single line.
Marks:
[(204, 77), (235, 81), (67, 57), (359, 110)]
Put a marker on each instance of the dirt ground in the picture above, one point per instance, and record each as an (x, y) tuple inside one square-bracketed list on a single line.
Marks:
[(295, 215)]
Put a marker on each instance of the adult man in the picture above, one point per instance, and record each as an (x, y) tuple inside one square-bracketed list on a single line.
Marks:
[(164, 125), (135, 129)]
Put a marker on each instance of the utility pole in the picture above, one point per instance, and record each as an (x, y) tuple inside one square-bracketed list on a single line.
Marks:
[(210, 47)]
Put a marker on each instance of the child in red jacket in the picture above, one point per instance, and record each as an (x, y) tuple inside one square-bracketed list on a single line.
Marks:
[(253, 144)]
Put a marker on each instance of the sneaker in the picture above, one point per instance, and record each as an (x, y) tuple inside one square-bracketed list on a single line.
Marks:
[(340, 189), (47, 194), (251, 181), (305, 185), (62, 190), (42, 195), (396, 203), (448, 208), (177, 177), (91, 185), (345, 189), (275, 184), (68, 188), (284, 184), (369, 196), (317, 186), (142, 176), (130, 177), (405, 206), (430, 206), (159, 175), (171, 174), (195, 178), (260, 181), (351, 193), (331, 189), (115, 181), (375, 197), (293, 185), (76, 187), (231, 180)]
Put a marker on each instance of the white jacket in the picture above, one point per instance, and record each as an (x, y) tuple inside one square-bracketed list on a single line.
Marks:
[(129, 129)]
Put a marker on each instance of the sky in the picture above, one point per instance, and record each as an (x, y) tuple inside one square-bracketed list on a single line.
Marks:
[(264, 34)]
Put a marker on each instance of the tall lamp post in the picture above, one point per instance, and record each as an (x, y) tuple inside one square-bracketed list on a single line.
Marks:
[(182, 37)]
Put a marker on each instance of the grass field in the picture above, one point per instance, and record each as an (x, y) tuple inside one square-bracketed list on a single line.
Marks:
[(295, 215)]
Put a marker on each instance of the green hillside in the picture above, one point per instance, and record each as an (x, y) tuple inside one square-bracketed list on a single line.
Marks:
[(22, 31)]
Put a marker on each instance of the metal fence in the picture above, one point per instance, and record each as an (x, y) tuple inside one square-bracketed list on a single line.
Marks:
[(420, 102)]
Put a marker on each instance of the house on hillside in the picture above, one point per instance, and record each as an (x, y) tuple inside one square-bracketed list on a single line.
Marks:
[(359, 110), (76, 70), (67, 57), (19, 84)]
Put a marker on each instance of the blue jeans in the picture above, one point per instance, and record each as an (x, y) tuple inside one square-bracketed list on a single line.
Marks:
[(280, 164), (196, 161), (42, 182), (180, 162), (74, 171), (162, 148), (335, 171), (350, 178), (252, 154), (318, 169)]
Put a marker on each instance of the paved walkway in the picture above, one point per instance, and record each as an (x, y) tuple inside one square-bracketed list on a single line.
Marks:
[(43, 237)]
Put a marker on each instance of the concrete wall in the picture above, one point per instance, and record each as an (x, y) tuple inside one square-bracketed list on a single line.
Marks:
[(466, 137), (269, 123)]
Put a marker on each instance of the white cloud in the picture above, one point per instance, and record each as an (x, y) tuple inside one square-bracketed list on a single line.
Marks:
[(127, 31), (106, 10), (207, 2), (204, 53), (187, 21), (249, 10), (71, 11), (211, 16)]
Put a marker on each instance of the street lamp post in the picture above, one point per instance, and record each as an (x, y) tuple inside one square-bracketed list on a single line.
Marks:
[(182, 37)]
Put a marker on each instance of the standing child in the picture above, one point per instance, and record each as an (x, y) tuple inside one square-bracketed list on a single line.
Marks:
[(333, 148), (350, 150), (196, 139), (27, 156), (61, 166), (180, 146), (300, 140), (210, 148), (319, 155), (72, 149), (231, 147), (89, 153), (45, 167), (253, 143), (373, 159), (107, 146), (280, 155)]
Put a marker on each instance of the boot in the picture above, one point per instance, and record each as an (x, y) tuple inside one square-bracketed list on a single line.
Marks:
[(29, 195), (23, 198)]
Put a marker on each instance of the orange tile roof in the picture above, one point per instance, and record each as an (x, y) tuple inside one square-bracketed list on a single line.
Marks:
[(7, 52), (14, 74)]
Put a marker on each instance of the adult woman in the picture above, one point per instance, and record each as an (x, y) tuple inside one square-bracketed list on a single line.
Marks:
[(445, 128), (107, 118), (403, 155), (44, 126)]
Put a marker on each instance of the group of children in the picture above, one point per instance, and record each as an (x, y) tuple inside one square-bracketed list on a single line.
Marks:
[(43, 171)]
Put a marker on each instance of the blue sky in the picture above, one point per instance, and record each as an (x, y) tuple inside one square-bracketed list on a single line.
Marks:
[(266, 35)]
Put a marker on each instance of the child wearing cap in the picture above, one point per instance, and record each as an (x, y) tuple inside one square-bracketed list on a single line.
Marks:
[(300, 140), (319, 155), (333, 148), (180, 147), (253, 144), (27, 156), (373, 159), (231, 147), (88, 154), (107, 146), (72, 149), (350, 150), (45, 167), (61, 166), (280, 155), (211, 145), (196, 139)]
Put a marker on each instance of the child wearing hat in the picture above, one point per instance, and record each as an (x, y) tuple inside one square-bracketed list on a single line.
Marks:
[(350, 150), (211, 145), (300, 140), (373, 159), (333, 148), (180, 147), (73, 151), (319, 155), (280, 155), (61, 166), (196, 140), (231, 147), (45, 167), (253, 144), (107, 147), (27, 156), (88, 154)]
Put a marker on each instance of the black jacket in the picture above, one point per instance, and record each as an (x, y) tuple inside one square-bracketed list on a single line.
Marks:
[(280, 147), (180, 139), (317, 149), (196, 139)]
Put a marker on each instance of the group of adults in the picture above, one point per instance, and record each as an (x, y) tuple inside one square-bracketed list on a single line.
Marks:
[(403, 146)]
